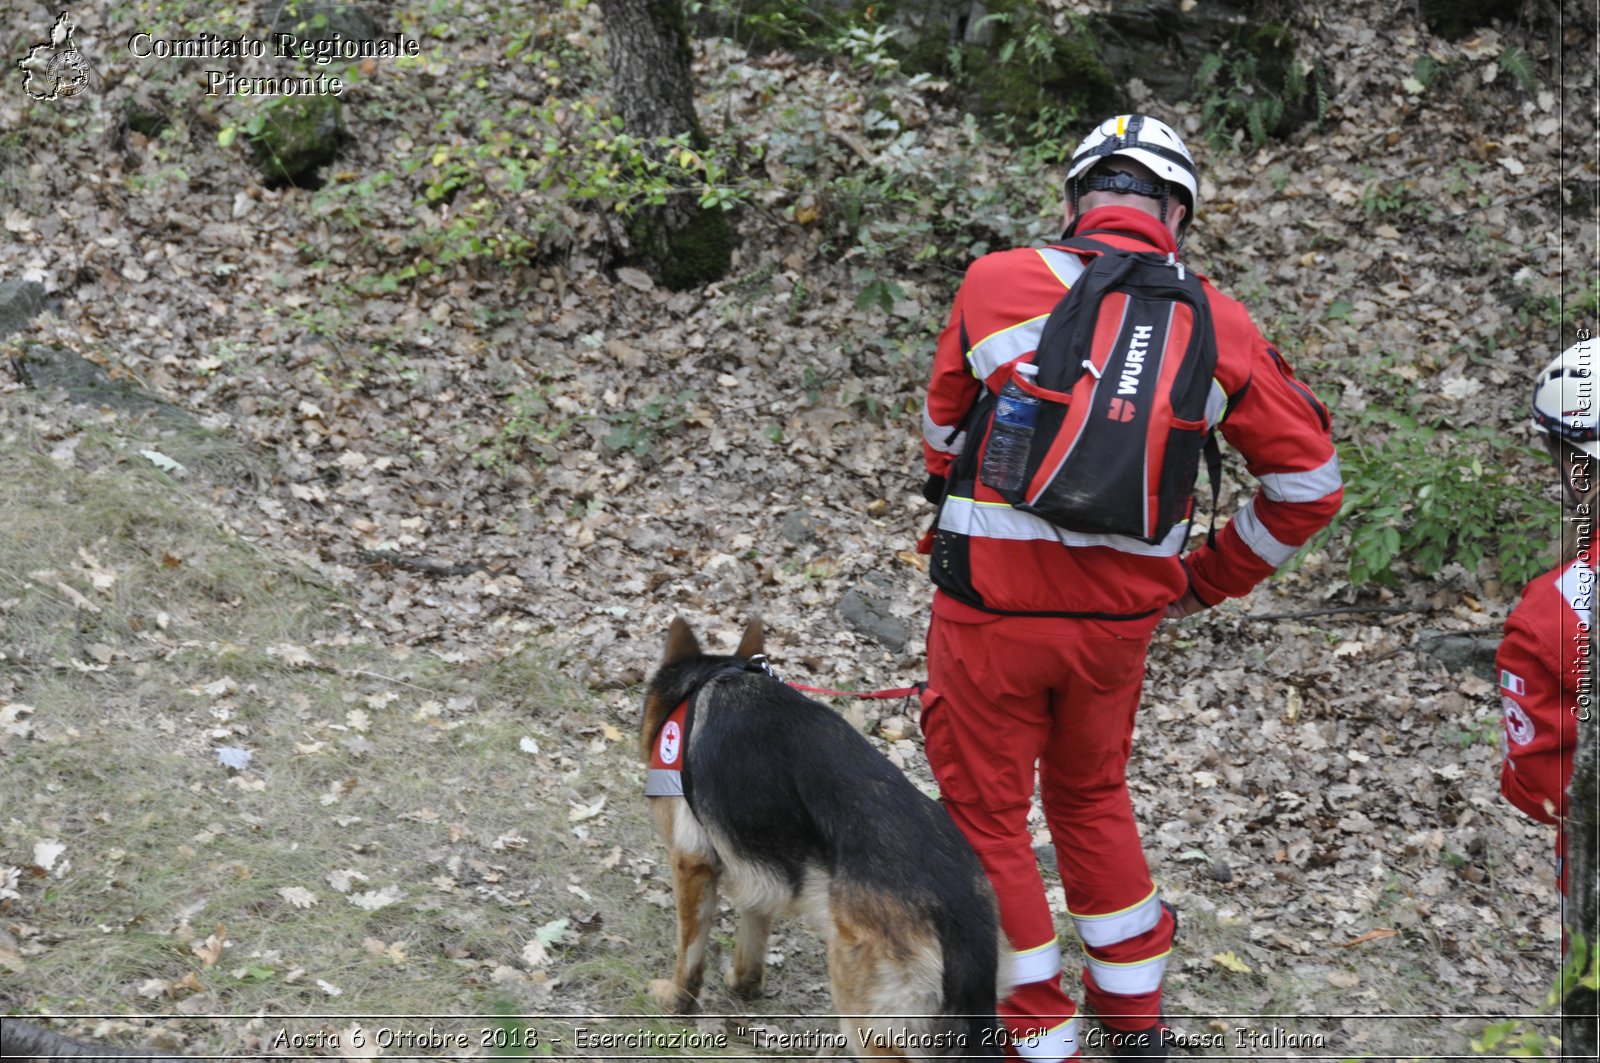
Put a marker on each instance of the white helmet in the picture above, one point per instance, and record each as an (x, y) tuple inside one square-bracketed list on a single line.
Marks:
[(1565, 403), (1147, 141)]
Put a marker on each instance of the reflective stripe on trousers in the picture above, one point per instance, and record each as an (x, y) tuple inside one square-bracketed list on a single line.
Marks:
[(1098, 931), (1129, 979), (1052, 1045), (1036, 964)]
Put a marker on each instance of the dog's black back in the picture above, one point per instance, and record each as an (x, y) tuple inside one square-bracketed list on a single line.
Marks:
[(789, 787)]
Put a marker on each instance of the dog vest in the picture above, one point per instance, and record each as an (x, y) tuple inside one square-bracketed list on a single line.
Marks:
[(665, 778)]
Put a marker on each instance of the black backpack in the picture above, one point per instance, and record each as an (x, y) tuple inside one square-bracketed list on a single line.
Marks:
[(1125, 366)]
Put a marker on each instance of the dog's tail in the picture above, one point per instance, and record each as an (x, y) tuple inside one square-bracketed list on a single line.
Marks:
[(971, 977)]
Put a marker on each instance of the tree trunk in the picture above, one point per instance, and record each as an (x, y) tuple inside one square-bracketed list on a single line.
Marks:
[(1583, 874), (682, 244)]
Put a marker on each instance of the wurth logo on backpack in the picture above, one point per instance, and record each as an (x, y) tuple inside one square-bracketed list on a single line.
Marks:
[(1121, 410), (1133, 365)]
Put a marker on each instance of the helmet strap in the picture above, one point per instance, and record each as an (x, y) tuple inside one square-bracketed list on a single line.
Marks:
[(1121, 183)]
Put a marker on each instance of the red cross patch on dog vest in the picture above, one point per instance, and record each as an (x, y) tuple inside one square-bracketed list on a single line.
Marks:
[(665, 778)]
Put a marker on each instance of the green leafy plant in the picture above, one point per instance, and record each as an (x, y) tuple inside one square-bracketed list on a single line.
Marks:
[(1426, 69), (1514, 61), (1512, 1039), (528, 419), (1421, 494), (637, 430), (1250, 89), (1384, 196), (878, 291), (1486, 732)]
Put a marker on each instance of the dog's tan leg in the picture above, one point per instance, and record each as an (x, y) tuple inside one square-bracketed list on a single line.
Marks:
[(694, 887), (857, 964), (749, 979)]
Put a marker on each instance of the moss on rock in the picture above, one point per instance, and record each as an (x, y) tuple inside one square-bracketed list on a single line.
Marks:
[(1046, 69), (1018, 66), (1255, 82), (697, 252), (1014, 64), (299, 134), (1454, 19)]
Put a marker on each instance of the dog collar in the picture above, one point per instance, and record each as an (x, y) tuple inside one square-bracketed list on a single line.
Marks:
[(665, 778)]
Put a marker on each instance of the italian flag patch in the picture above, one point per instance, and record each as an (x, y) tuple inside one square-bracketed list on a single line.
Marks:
[(1512, 682)]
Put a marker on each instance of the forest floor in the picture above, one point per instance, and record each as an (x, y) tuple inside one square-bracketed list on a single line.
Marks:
[(320, 676)]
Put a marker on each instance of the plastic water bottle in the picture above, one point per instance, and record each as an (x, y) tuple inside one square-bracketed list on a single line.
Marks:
[(1005, 458)]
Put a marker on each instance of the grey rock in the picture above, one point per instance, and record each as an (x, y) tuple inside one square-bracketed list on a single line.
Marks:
[(19, 302), (1461, 653), (872, 618), (57, 371), (798, 527)]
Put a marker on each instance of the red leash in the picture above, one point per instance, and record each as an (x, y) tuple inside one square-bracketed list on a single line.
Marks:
[(759, 663), (897, 692)]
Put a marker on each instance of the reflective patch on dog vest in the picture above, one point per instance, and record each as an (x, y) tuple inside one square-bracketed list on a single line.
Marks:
[(665, 778)]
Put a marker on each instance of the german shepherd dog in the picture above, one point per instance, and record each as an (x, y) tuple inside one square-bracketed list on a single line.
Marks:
[(794, 812)]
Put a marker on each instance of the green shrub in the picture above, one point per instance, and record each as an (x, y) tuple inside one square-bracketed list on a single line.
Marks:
[(1422, 492), (1257, 86)]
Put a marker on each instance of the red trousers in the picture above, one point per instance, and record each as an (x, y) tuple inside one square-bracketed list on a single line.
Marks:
[(1008, 696)]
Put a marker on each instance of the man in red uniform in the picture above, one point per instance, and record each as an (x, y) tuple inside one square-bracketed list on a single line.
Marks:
[(1037, 643), (1545, 678)]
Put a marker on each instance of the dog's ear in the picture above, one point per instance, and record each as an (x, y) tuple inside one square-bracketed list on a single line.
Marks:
[(753, 642), (681, 642)]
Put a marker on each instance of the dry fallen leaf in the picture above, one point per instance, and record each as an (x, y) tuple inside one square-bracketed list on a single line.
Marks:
[(373, 900), (52, 579), (11, 719), (298, 896), (46, 853), (292, 655), (1376, 934), (912, 558), (210, 951), (1230, 962)]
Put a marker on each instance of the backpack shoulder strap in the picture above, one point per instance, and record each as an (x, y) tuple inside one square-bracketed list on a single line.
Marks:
[(1213, 455), (1084, 246)]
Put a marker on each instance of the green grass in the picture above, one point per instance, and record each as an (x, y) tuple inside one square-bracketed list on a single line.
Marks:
[(140, 635)]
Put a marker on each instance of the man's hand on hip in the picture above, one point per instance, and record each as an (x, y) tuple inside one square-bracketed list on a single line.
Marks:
[(1186, 605)]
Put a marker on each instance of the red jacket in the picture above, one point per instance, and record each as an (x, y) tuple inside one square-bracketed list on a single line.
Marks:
[(1019, 563), (1543, 662)]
